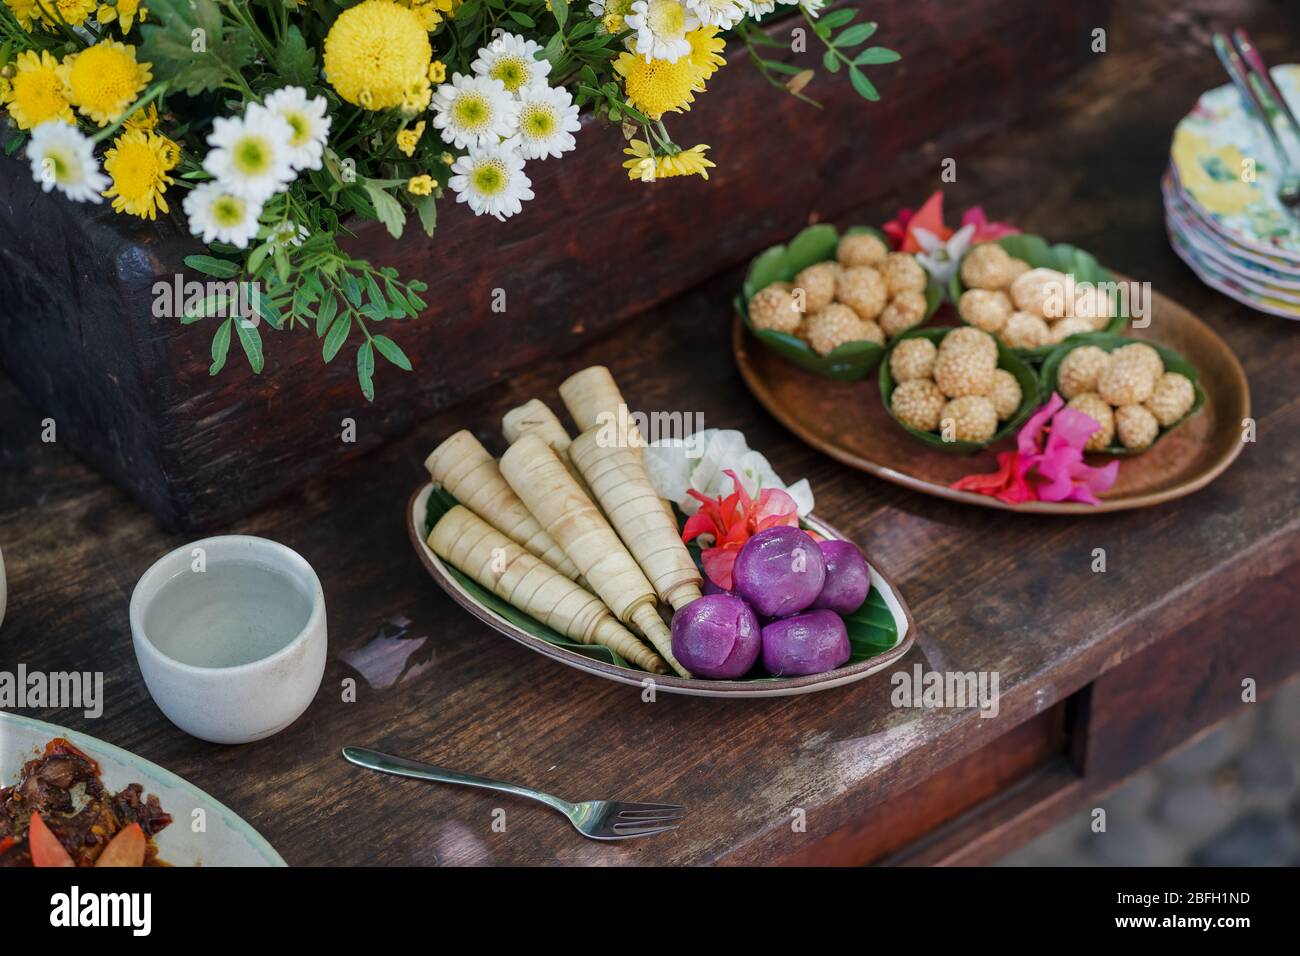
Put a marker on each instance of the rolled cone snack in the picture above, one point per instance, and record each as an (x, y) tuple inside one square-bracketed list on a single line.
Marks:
[(535, 416), (470, 544), (619, 483), (568, 515), (465, 468), (593, 399)]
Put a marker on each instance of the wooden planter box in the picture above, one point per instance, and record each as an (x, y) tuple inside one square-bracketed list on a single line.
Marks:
[(132, 395)]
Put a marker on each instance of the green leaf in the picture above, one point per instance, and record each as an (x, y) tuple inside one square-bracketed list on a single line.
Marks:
[(393, 352), (338, 334), (212, 305), (831, 61), (866, 89), (169, 38), (257, 257), (874, 55), (837, 18), (220, 346), (858, 33), (426, 207), (251, 340), (211, 266), (352, 290), (366, 370), (561, 10), (295, 60), (387, 209), (328, 310), (523, 19)]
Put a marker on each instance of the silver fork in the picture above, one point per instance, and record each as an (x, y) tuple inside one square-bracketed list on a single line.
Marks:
[(598, 819)]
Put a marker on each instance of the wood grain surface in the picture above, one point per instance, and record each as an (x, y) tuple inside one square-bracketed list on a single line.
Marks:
[(991, 591)]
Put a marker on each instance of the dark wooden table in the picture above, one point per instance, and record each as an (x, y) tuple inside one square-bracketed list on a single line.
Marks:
[(1099, 673)]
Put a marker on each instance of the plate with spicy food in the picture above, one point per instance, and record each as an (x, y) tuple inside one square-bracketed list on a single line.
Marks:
[(67, 799)]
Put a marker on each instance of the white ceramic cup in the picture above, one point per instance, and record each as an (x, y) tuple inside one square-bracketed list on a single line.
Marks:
[(246, 701)]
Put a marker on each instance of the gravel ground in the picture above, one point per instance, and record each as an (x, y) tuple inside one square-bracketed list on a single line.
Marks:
[(1231, 798)]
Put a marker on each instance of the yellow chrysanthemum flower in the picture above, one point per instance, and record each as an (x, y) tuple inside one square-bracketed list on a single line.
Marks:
[(144, 119), (377, 56), (138, 164), (26, 12), (408, 138), (612, 14), (103, 80), (36, 91), (706, 50), (648, 167), (125, 12), (656, 87), (437, 72), (422, 185)]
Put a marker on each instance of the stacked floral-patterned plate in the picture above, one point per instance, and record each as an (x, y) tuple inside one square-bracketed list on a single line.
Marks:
[(1221, 207)]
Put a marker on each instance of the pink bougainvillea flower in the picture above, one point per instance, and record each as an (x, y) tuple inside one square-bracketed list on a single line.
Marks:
[(985, 231), (1047, 464), (732, 521)]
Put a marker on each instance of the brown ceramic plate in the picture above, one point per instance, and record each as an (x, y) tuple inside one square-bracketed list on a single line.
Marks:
[(417, 512), (848, 422)]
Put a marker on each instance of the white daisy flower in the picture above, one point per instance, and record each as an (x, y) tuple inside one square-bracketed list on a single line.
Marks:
[(813, 7), (512, 60), (308, 120), (474, 111), (724, 14), (288, 235), (547, 121), (217, 214), (661, 27), (611, 14), (492, 180), (758, 8), (250, 154), (63, 157)]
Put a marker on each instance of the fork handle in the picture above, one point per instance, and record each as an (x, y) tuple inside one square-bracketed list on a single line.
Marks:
[(402, 767)]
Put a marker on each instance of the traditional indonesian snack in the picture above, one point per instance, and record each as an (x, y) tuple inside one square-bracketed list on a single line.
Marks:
[(60, 814), (1127, 390), (1027, 308), (955, 389), (866, 294)]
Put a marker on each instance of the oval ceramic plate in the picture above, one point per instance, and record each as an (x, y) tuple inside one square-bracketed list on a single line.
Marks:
[(228, 841), (849, 423), (417, 520)]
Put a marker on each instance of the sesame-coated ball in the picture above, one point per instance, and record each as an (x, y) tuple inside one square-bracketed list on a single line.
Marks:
[(1040, 292), (968, 339), (1126, 380), (973, 418), (1079, 370), (1018, 268), (984, 309), (1093, 305), (818, 285), (1024, 330), (987, 266), (1172, 398), (1062, 329), (903, 274), (912, 359), (833, 326), (1092, 405), (863, 290), (917, 403), (963, 373), (905, 312), (1005, 394), (1144, 355), (1137, 428), (861, 249), (773, 308)]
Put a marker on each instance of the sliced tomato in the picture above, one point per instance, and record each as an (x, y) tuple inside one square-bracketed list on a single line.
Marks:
[(125, 849), (46, 848)]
